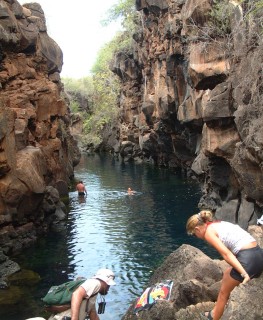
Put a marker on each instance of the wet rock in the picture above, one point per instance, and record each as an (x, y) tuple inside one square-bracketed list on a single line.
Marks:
[(3, 284), (7, 268), (24, 278)]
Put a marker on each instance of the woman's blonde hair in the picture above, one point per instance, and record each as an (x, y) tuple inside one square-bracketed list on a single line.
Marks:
[(198, 219)]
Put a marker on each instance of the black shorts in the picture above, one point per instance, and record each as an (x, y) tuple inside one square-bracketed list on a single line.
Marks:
[(81, 194), (251, 260)]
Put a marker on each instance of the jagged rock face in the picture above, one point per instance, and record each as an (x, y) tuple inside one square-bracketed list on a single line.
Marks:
[(193, 99), (196, 282), (36, 148)]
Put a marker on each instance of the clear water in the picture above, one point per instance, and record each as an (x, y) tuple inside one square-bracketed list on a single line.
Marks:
[(130, 234)]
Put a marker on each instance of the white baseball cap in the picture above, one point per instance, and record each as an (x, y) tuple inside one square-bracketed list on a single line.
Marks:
[(105, 275)]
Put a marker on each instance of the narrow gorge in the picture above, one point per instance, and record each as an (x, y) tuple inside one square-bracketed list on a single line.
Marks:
[(190, 100)]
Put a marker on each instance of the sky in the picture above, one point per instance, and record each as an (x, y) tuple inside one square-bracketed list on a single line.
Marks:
[(76, 28)]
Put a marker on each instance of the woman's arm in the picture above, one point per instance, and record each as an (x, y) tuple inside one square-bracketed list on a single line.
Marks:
[(212, 238)]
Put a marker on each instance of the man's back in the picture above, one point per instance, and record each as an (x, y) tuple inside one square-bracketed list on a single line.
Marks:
[(81, 188)]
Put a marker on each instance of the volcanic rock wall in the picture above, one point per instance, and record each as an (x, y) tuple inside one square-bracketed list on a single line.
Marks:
[(37, 152), (192, 98)]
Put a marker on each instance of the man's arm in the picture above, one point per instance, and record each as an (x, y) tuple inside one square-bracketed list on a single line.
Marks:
[(78, 295)]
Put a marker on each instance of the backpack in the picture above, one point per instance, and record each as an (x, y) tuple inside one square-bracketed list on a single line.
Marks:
[(61, 294)]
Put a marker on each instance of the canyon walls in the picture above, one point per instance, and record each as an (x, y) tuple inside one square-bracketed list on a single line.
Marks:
[(192, 98), (37, 151)]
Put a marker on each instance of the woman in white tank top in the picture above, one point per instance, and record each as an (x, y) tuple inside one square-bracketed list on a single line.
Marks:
[(236, 246)]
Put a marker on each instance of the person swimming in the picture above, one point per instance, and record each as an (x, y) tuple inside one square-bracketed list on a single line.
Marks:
[(130, 191), (81, 189)]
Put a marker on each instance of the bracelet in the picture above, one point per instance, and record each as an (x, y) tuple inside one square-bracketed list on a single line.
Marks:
[(243, 275)]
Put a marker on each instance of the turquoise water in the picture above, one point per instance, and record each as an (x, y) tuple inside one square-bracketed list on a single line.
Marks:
[(130, 234)]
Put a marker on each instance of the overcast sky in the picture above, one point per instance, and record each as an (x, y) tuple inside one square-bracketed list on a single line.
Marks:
[(76, 27)]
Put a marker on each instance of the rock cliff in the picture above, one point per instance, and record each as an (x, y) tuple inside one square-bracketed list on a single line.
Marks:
[(37, 152), (192, 97)]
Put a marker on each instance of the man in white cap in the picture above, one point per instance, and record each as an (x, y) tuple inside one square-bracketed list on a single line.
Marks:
[(83, 300), (99, 283)]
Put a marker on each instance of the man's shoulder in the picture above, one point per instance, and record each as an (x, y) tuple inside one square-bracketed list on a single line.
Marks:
[(91, 285)]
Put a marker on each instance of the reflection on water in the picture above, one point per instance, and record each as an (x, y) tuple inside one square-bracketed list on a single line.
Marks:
[(130, 234)]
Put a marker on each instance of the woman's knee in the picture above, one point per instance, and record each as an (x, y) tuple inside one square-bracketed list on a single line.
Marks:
[(227, 272), (228, 284)]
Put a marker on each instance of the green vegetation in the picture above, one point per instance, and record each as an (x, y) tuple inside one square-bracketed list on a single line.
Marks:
[(222, 11), (78, 88), (74, 106), (83, 85), (225, 20), (253, 6), (101, 89), (104, 98), (130, 21), (254, 11), (124, 10), (220, 17)]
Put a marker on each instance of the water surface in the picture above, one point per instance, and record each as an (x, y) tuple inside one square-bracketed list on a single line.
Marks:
[(130, 234)]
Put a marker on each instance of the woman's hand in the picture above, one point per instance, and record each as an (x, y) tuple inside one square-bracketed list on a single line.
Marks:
[(246, 278)]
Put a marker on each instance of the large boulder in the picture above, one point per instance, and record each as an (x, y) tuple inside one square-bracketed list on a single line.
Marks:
[(245, 302), (197, 281), (196, 278)]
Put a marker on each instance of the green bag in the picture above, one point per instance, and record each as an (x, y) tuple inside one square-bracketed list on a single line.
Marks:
[(58, 295)]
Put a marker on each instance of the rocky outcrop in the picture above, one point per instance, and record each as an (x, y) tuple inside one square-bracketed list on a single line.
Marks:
[(7, 268), (37, 151), (196, 281), (191, 98)]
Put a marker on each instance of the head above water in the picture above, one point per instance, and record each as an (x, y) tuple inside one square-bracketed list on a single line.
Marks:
[(105, 275), (198, 219)]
